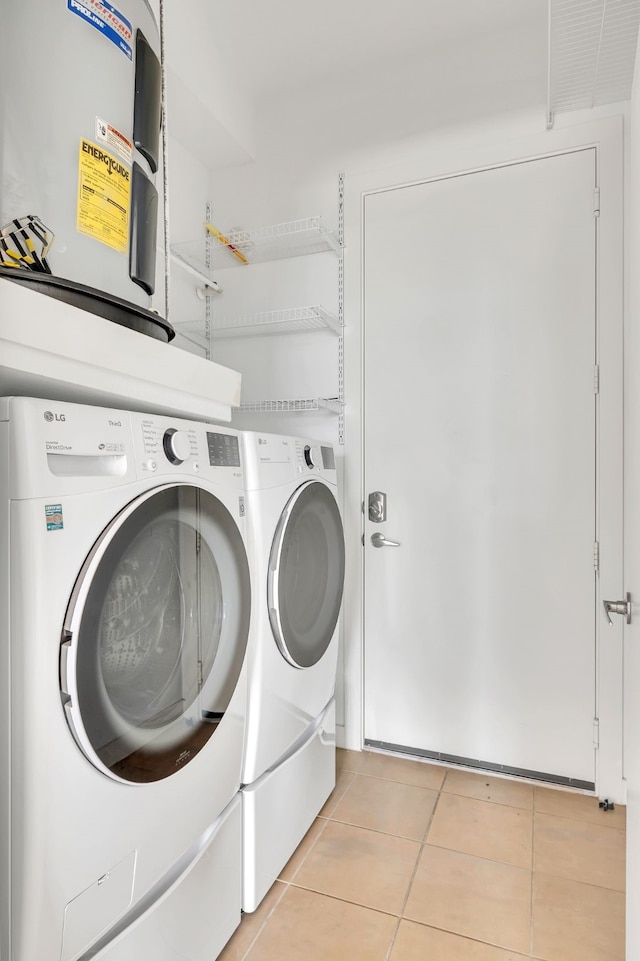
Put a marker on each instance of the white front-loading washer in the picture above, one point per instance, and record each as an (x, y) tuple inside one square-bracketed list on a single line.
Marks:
[(296, 548), (125, 596)]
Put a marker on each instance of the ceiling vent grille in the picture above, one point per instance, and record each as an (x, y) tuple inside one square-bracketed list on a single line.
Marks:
[(592, 50)]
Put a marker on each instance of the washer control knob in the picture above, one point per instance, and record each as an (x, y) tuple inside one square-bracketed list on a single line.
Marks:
[(177, 445), (312, 457)]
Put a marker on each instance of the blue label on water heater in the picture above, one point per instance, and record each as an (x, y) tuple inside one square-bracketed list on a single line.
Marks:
[(105, 18)]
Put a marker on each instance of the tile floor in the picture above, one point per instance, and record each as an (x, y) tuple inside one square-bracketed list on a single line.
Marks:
[(413, 862)]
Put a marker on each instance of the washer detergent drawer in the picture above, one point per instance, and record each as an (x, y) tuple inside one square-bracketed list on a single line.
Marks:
[(279, 808)]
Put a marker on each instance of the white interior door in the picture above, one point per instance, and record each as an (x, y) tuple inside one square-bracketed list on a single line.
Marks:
[(480, 427)]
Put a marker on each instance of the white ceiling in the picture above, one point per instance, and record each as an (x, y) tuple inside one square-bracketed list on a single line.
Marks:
[(305, 74), (276, 47)]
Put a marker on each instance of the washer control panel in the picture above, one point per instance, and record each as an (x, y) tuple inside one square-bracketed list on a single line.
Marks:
[(224, 449), (58, 446), (168, 445), (162, 443)]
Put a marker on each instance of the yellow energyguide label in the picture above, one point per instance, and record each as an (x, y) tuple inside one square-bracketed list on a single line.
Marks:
[(104, 190)]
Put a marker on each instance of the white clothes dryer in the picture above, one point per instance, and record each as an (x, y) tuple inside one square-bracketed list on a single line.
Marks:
[(125, 597), (296, 548)]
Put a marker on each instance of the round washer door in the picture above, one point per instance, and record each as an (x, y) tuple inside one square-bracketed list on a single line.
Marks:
[(156, 634), (306, 575)]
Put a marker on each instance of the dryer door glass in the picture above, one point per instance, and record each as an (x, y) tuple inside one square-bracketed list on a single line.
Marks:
[(156, 634), (306, 575)]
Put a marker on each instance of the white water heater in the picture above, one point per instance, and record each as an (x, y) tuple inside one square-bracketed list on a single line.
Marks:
[(80, 118)]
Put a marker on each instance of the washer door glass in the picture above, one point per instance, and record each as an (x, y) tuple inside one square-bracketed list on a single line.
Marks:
[(156, 634), (306, 575)]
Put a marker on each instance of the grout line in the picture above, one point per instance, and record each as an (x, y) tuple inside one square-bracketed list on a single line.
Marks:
[(587, 821), (433, 813), (533, 876), (415, 868), (481, 800), (395, 780), (340, 796), (311, 847), (335, 897), (513, 954), (588, 884), (393, 939), (285, 885)]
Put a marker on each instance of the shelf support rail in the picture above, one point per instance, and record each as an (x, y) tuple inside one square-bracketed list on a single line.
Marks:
[(341, 307), (207, 300)]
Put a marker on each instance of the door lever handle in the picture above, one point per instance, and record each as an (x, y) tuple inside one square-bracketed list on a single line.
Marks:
[(379, 540), (618, 607)]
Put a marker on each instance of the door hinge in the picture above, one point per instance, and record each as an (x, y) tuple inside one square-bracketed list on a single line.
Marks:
[(596, 379), (596, 556), (596, 201), (363, 540), (596, 732)]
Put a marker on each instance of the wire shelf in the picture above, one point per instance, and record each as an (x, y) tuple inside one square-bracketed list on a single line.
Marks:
[(237, 248), (286, 321), (592, 52), (290, 320), (332, 404)]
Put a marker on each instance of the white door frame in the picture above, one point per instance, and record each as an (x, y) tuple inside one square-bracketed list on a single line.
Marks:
[(606, 136)]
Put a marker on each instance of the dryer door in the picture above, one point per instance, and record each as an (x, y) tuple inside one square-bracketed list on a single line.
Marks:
[(156, 633), (306, 575)]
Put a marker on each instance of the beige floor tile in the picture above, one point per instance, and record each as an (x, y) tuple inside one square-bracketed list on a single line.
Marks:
[(580, 850), (416, 942), (400, 809), (251, 925), (580, 806), (406, 770), (576, 922), (350, 760), (488, 788), (480, 899), (343, 780), (290, 869), (311, 927), (486, 830), (362, 866)]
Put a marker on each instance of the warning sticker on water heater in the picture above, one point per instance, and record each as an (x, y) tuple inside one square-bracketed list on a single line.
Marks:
[(105, 18), (114, 140), (104, 189)]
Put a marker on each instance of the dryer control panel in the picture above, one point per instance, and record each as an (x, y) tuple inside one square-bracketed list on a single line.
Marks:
[(274, 459), (318, 456)]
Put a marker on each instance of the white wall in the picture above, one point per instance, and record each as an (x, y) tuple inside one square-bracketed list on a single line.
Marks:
[(188, 192), (211, 112)]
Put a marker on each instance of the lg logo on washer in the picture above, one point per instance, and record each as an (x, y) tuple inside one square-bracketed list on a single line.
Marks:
[(49, 416)]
